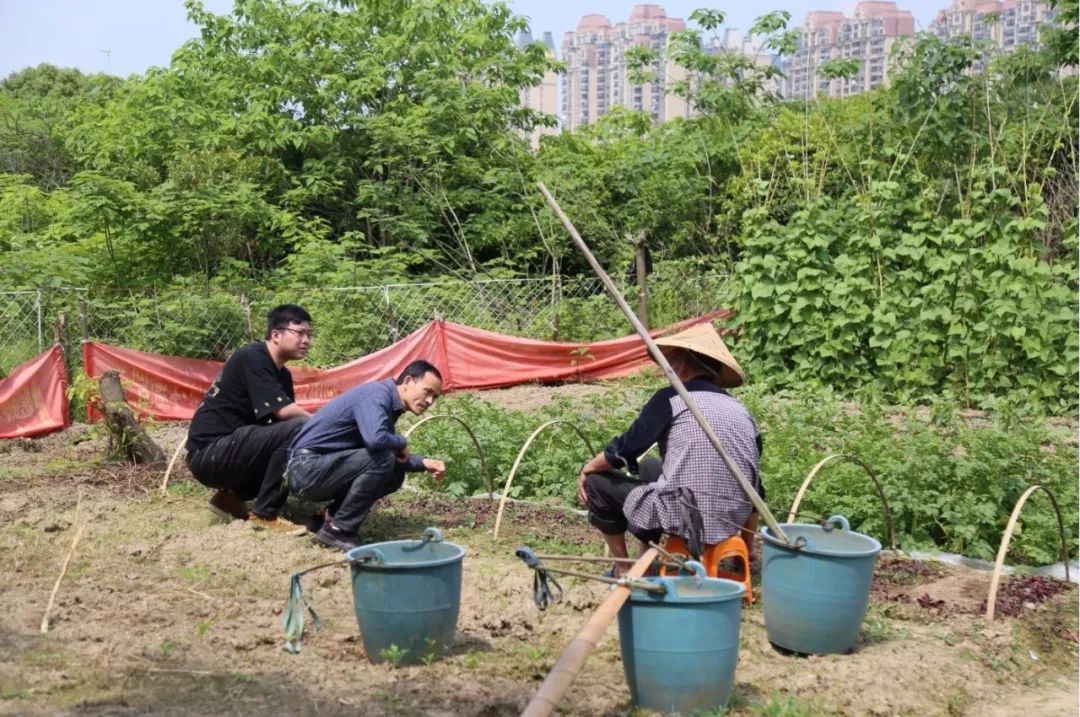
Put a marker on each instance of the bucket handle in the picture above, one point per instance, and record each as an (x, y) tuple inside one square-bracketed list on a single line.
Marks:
[(836, 520), (430, 535), (366, 556), (696, 568)]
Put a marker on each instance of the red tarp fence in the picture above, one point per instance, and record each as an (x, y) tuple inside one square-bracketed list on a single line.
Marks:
[(169, 388), (33, 397)]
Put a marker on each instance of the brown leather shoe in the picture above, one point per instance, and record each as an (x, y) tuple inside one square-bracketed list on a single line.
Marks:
[(226, 505), (277, 525)]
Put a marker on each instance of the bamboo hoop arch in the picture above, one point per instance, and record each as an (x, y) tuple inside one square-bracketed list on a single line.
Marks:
[(517, 464), (869, 472), (991, 598), (168, 470), (479, 451)]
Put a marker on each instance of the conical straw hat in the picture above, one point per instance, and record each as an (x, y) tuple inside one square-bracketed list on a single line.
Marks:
[(704, 340)]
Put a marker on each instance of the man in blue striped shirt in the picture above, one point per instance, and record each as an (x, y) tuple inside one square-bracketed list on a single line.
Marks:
[(349, 453)]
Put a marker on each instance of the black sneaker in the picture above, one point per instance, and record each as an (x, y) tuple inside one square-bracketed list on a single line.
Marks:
[(315, 523), (332, 537)]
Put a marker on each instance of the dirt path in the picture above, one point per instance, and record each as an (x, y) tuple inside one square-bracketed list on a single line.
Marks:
[(164, 610), (1057, 700)]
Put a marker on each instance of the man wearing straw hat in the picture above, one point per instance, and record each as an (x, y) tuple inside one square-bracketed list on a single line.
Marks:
[(662, 499)]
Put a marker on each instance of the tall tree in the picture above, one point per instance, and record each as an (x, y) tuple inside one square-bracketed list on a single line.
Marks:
[(286, 123)]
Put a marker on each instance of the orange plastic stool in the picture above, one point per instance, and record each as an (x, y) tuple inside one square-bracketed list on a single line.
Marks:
[(733, 547)]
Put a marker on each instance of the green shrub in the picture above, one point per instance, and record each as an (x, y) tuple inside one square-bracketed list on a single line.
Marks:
[(951, 481)]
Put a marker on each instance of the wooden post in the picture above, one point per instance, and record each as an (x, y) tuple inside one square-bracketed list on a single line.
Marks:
[(126, 436), (556, 302), (58, 327), (642, 289), (573, 657), (249, 327)]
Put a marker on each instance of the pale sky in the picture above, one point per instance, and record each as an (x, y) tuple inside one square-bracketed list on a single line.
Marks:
[(128, 36)]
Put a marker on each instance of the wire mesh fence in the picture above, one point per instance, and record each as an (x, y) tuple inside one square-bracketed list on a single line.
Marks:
[(31, 321), (21, 327), (350, 321)]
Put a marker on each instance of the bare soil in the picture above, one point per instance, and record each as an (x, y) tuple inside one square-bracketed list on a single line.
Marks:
[(531, 396), (166, 610)]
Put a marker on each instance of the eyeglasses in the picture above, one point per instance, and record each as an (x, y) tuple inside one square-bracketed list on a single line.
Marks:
[(302, 333)]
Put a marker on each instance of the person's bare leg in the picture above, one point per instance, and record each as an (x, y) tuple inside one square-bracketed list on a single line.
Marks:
[(751, 524), (652, 569), (616, 543), (751, 537)]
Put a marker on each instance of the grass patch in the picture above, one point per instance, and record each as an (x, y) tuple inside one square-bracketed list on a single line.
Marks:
[(186, 488), (556, 546), (195, 573), (43, 657), (77, 570), (783, 706), (16, 473), (877, 627)]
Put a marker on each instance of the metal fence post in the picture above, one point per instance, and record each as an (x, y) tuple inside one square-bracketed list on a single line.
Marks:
[(84, 321), (37, 307), (58, 328), (391, 320)]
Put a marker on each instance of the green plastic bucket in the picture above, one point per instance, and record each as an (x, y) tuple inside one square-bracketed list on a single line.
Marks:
[(407, 596), (679, 648), (814, 597)]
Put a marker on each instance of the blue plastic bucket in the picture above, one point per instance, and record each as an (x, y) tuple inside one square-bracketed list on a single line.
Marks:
[(407, 596), (814, 597), (679, 648)]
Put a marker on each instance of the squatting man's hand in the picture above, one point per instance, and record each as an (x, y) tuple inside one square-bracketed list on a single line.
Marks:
[(582, 496), (437, 469)]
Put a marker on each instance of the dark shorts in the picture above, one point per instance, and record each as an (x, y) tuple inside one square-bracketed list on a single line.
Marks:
[(607, 494)]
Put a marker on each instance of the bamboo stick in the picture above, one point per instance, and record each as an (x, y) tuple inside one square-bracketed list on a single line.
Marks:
[(64, 567), (168, 471), (573, 657), (658, 356)]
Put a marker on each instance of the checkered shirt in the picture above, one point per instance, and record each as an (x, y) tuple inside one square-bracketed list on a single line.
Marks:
[(690, 461)]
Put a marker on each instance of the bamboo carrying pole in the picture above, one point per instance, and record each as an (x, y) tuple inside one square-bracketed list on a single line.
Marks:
[(573, 657), (658, 356)]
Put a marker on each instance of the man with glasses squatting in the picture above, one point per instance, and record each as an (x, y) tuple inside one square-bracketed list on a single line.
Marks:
[(240, 433)]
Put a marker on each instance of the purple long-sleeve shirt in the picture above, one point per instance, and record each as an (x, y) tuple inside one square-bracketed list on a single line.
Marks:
[(362, 417)]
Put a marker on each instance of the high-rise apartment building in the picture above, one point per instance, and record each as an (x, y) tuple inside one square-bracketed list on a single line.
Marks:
[(867, 36), (596, 72), (1008, 24), (543, 97)]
